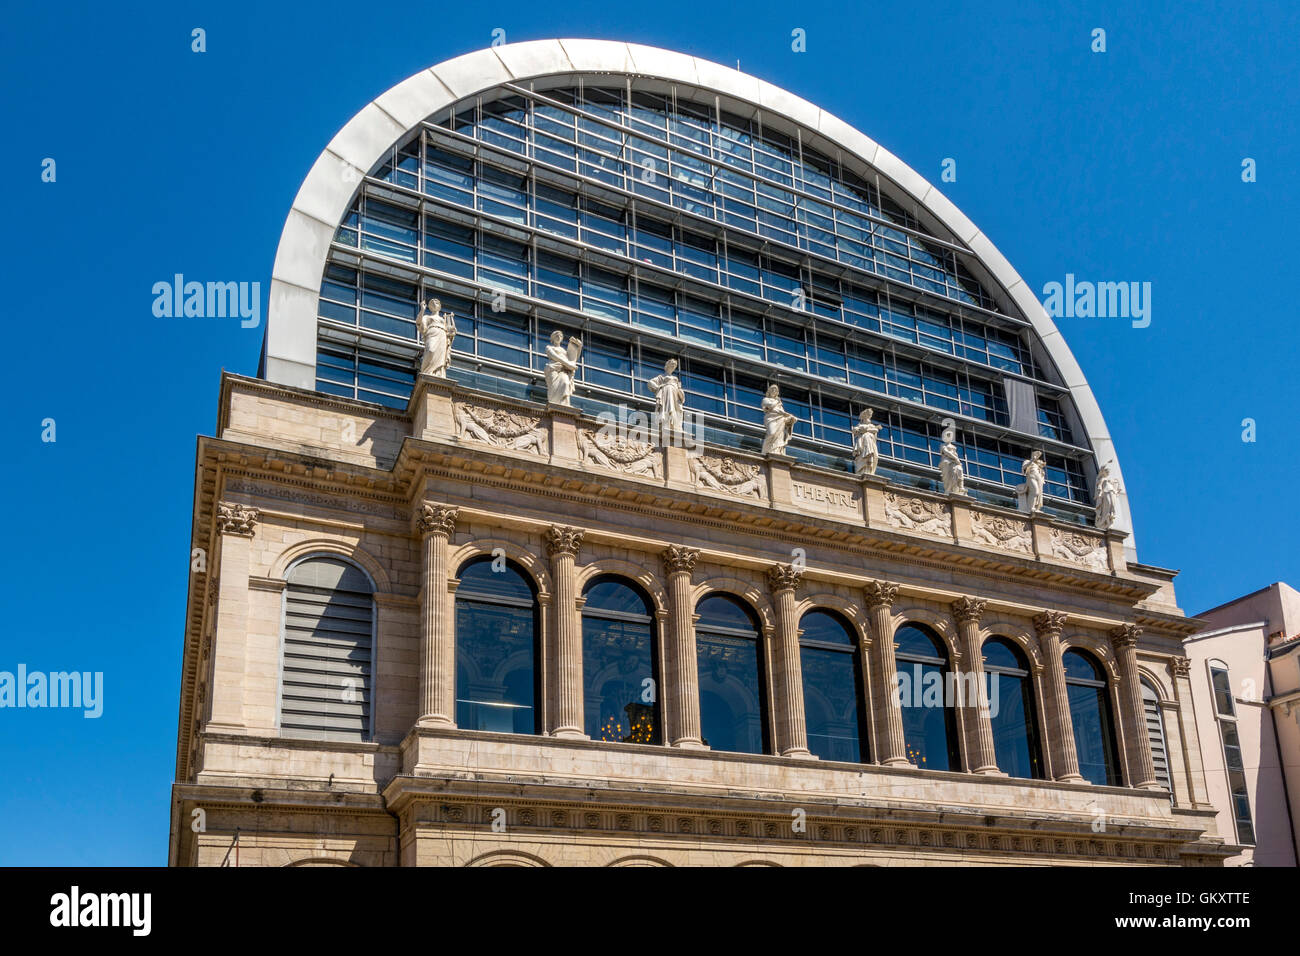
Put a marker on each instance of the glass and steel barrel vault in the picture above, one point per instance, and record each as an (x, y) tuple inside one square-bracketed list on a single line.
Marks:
[(660, 206)]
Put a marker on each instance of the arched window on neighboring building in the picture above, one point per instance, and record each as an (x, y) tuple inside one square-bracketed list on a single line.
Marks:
[(496, 648), (832, 688), (1011, 709), (733, 707), (1225, 710), (329, 613), (926, 696), (1094, 725), (1156, 733), (620, 682)]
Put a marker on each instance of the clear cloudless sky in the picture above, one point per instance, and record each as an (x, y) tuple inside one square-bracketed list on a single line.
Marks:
[(1124, 165)]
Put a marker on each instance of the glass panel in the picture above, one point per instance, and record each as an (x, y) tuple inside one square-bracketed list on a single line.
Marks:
[(618, 666), (495, 641), (732, 716)]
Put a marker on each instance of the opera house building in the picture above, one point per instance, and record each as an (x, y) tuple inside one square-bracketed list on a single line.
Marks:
[(647, 468)]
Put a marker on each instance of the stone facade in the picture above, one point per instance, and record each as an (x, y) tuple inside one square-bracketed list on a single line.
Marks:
[(410, 496)]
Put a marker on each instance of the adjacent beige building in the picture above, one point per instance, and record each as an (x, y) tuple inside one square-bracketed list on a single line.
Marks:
[(445, 621), (1246, 690)]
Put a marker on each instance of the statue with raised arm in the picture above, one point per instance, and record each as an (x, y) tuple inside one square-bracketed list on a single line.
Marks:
[(1108, 492), (950, 466), (437, 332), (1031, 492), (561, 368), (865, 454), (778, 424), (670, 400)]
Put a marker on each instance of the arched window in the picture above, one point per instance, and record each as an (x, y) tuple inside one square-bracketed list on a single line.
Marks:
[(926, 697), (496, 648), (1011, 709), (1094, 726), (328, 639), (619, 678), (832, 688), (1156, 733), (1225, 710), (733, 708)]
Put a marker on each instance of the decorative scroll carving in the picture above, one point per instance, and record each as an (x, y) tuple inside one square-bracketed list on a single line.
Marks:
[(1126, 635), (967, 609), (678, 559), (1050, 623), (1082, 549), (236, 519), (727, 474), (880, 594), (1009, 534), (618, 453), (496, 426), (560, 540), (917, 514), (782, 577), (436, 519)]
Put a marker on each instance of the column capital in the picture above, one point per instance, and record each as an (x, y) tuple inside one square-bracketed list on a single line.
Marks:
[(236, 519), (880, 594), (678, 559), (433, 518), (1049, 623), (966, 609), (784, 577), (562, 540), (1125, 636), (1180, 667)]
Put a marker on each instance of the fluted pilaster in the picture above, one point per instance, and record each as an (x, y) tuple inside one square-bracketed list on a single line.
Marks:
[(980, 753), (1141, 768), (563, 545), (890, 745), (787, 670), (682, 693), (1060, 727), (436, 524)]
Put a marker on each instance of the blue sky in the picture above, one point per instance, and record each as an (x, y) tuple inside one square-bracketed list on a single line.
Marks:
[(1117, 166)]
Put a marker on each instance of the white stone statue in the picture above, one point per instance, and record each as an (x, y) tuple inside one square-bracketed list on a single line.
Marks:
[(950, 466), (1108, 492), (670, 400), (778, 424), (865, 453), (561, 368), (438, 332), (1031, 492)]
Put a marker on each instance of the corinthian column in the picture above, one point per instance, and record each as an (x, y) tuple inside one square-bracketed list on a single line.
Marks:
[(436, 524), (1060, 728), (979, 741), (682, 690), (791, 727), (890, 747), (1141, 768), (563, 544)]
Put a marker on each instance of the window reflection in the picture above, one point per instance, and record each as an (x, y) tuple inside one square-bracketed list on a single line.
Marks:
[(1011, 709), (733, 714), (925, 696), (496, 637), (1094, 736), (620, 688), (832, 688)]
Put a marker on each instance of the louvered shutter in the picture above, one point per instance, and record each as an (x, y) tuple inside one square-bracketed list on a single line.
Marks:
[(1156, 735), (328, 623)]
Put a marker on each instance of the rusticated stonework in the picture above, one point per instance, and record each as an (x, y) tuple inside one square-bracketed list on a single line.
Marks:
[(998, 531), (496, 426), (236, 519), (918, 514), (436, 519), (1081, 549), (726, 474), (617, 453)]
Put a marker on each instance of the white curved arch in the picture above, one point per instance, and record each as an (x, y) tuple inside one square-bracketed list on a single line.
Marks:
[(322, 202)]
